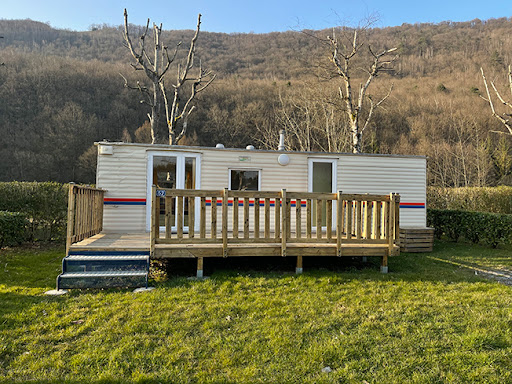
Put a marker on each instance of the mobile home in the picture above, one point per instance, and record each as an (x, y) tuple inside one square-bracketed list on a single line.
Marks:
[(165, 201)]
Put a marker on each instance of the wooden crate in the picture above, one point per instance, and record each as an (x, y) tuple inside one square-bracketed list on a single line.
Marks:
[(416, 239)]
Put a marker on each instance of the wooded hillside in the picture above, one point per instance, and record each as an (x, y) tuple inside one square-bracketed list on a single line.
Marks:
[(60, 91)]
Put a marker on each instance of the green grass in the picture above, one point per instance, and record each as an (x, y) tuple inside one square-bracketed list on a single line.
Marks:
[(427, 321), (477, 256)]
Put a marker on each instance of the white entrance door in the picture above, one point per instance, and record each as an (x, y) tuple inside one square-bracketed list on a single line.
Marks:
[(322, 178), (171, 170)]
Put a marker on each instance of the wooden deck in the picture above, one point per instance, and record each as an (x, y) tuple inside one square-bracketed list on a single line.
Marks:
[(132, 242), (254, 223), (129, 242)]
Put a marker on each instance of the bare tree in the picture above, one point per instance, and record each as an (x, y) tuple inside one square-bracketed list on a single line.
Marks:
[(310, 115), (343, 54), (177, 105), (505, 118)]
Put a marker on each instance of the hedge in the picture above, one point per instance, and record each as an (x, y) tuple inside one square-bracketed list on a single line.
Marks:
[(478, 199), (478, 227), (12, 228), (43, 204)]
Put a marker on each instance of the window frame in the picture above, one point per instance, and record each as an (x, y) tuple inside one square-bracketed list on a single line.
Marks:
[(244, 169)]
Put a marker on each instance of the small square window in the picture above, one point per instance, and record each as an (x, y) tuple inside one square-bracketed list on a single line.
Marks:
[(243, 180)]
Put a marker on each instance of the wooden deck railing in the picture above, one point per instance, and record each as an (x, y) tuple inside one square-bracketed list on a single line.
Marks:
[(233, 217), (85, 213)]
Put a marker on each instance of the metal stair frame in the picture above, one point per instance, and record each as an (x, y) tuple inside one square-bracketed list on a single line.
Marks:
[(99, 255)]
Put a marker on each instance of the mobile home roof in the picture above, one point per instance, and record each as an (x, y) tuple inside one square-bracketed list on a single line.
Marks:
[(199, 148)]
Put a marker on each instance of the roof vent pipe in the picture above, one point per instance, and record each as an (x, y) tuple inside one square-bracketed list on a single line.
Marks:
[(281, 141)]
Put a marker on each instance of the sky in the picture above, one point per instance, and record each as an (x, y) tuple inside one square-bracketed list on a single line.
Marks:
[(246, 16)]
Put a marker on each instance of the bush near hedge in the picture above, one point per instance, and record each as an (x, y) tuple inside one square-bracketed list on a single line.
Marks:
[(43, 204), (478, 227), (12, 228), (479, 199)]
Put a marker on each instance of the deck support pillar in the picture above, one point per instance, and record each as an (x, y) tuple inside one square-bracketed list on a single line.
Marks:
[(199, 274), (299, 269), (384, 265), (365, 259)]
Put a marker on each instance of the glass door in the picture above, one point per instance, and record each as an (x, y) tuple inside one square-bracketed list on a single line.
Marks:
[(164, 176), (171, 171)]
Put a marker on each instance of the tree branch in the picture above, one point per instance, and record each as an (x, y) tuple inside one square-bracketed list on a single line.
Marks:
[(506, 122), (374, 106)]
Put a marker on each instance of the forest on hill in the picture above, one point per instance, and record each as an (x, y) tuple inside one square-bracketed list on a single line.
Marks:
[(61, 90)]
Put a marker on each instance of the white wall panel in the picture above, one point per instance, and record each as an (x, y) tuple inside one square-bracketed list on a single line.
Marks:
[(385, 174)]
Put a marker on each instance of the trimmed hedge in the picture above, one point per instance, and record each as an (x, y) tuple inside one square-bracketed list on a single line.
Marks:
[(478, 227), (12, 228), (478, 199), (43, 204)]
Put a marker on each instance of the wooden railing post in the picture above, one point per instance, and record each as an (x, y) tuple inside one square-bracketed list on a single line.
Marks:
[(339, 222), (154, 223), (168, 216), (256, 217), (202, 218), (71, 217), (328, 219), (179, 216), (368, 220), (318, 205), (225, 222), (298, 218), (277, 219), (390, 212), (213, 233), (191, 217), (309, 223), (349, 219), (397, 219), (359, 219), (284, 223), (235, 218), (246, 217)]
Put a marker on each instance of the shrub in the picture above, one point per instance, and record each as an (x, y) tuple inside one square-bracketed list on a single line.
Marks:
[(12, 228), (478, 227), (481, 199), (44, 205)]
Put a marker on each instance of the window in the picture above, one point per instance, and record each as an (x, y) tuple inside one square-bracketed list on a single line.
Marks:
[(244, 180)]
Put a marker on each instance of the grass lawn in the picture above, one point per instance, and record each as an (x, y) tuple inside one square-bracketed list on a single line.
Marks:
[(427, 321)]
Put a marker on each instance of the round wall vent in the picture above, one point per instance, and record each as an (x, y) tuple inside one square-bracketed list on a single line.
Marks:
[(283, 159)]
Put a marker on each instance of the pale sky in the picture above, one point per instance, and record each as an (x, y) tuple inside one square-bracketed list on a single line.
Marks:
[(250, 16)]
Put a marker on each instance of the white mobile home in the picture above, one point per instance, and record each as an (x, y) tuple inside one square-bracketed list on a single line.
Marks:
[(127, 172), (164, 201)]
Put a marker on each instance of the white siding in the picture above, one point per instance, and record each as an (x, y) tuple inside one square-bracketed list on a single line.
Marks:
[(215, 166), (123, 175), (385, 174)]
